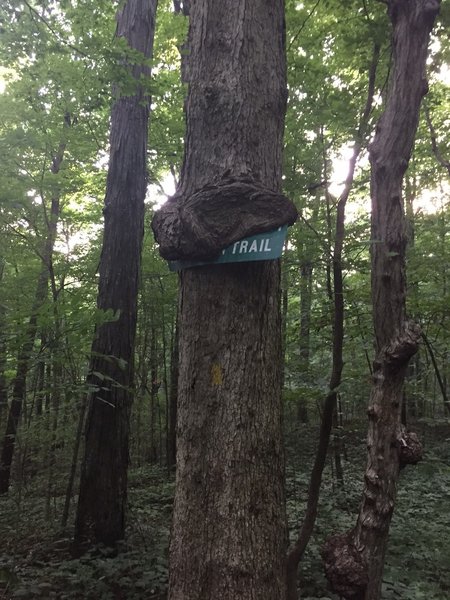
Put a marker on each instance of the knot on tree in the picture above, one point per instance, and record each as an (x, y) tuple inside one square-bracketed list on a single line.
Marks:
[(402, 347), (410, 449), (345, 567), (200, 226)]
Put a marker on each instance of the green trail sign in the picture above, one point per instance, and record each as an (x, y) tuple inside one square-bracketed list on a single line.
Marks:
[(264, 246)]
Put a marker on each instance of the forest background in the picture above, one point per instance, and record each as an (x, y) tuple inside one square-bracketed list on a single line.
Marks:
[(58, 62)]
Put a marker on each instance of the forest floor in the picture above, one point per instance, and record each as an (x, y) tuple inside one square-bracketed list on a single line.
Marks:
[(35, 558)]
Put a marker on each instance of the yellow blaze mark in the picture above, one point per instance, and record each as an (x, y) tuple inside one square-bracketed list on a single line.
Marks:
[(216, 374)]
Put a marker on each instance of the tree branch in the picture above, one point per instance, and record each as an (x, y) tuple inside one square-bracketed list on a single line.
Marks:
[(313, 10), (433, 138), (53, 31)]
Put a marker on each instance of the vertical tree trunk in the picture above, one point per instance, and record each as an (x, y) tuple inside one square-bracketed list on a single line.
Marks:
[(154, 389), (306, 282), (19, 385), (3, 385), (228, 535), (103, 487), (297, 550), (56, 390), (52, 430), (443, 161), (306, 272), (74, 463), (173, 399), (165, 381), (284, 314), (354, 562), (182, 7), (40, 378), (141, 384), (440, 380), (409, 404)]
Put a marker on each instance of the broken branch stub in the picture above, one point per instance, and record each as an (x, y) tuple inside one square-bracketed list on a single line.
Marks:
[(201, 225), (402, 347)]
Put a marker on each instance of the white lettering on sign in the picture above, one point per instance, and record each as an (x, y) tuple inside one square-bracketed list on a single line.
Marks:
[(242, 246), (267, 246)]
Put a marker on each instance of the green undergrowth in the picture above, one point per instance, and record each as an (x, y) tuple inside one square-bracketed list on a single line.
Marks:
[(36, 560), (418, 559)]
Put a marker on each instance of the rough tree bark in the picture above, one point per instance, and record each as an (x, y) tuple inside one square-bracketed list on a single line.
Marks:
[(102, 501), (354, 561), (173, 399), (228, 534)]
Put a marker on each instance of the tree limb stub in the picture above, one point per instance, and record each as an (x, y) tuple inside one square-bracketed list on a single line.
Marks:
[(201, 225), (401, 348), (404, 346)]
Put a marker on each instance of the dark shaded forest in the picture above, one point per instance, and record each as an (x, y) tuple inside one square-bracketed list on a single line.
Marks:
[(268, 429)]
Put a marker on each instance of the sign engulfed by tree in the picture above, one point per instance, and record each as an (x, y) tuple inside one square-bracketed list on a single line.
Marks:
[(228, 535), (110, 363)]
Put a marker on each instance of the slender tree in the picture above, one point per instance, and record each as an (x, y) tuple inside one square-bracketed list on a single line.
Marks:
[(103, 487), (441, 159), (19, 385), (228, 535), (173, 399), (3, 383), (330, 403), (354, 562)]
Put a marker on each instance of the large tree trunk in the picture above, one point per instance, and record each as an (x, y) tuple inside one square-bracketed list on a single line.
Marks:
[(355, 561), (101, 505), (228, 535)]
